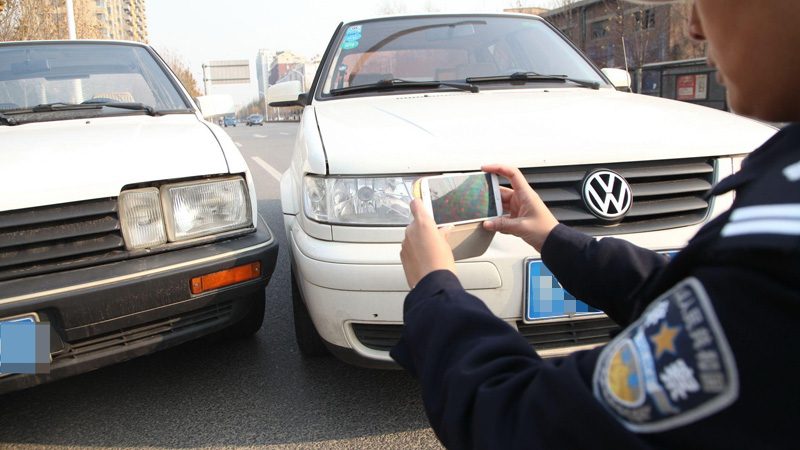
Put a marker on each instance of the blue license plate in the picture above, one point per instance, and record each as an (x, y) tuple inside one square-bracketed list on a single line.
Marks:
[(30, 318), (546, 299)]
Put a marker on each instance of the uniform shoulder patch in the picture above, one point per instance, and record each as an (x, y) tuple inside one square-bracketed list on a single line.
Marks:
[(671, 367)]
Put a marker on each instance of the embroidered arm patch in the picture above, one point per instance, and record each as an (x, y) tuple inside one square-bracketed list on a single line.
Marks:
[(671, 367)]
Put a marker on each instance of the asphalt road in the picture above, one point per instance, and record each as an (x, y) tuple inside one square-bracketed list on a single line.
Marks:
[(255, 393)]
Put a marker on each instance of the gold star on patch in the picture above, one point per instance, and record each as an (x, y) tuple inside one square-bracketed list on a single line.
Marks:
[(665, 339)]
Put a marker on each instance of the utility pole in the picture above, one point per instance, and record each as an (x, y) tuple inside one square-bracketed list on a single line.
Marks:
[(71, 20)]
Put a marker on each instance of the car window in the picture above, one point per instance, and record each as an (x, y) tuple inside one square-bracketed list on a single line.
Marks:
[(36, 74), (449, 48)]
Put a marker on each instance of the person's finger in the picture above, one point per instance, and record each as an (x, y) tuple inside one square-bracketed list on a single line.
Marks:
[(512, 173), (500, 224), (446, 230), (506, 193), (417, 209)]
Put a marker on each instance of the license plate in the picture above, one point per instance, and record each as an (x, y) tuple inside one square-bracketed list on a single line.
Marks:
[(546, 299), (30, 318)]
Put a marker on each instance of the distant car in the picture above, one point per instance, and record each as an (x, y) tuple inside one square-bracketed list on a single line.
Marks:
[(400, 97), (128, 223), (255, 119), (229, 120)]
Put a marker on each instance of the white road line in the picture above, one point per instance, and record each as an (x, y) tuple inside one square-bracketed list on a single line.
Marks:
[(285, 134), (270, 170), (239, 144), (260, 135)]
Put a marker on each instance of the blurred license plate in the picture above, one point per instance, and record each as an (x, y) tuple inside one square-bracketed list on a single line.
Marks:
[(546, 299), (31, 318)]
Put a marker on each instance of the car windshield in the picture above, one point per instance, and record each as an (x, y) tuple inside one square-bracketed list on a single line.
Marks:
[(64, 75), (451, 49)]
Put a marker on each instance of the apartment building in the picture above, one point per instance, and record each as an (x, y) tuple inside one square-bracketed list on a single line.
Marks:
[(122, 19)]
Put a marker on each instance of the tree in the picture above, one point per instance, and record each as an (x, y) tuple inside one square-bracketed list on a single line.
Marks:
[(684, 47), (23, 20), (428, 7), (181, 69), (388, 7)]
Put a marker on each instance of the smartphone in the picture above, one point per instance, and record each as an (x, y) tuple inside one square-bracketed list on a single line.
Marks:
[(460, 198)]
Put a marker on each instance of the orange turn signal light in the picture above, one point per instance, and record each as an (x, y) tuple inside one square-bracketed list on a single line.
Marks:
[(227, 277)]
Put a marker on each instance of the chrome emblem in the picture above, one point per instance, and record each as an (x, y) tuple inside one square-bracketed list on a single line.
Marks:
[(607, 195)]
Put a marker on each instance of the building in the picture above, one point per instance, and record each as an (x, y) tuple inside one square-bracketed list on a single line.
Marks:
[(285, 61), (264, 60), (122, 19), (651, 33)]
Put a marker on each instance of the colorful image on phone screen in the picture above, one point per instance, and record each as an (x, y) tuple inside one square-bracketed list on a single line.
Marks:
[(461, 197)]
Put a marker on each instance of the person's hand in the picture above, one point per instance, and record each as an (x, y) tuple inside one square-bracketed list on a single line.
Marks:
[(530, 219), (424, 248)]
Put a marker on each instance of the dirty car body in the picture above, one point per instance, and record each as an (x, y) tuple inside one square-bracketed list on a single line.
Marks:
[(128, 223)]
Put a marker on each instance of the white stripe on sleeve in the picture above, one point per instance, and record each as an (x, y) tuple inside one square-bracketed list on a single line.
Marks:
[(782, 227), (783, 211)]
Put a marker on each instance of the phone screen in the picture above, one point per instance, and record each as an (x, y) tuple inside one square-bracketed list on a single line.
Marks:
[(462, 197)]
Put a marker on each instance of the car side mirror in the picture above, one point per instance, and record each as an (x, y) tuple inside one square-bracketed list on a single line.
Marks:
[(288, 93), (619, 78), (215, 105)]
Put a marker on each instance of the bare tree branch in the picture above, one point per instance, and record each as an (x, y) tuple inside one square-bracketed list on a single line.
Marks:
[(23, 20)]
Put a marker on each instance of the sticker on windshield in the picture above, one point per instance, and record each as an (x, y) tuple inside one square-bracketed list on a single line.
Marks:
[(352, 37), (349, 45), (355, 29)]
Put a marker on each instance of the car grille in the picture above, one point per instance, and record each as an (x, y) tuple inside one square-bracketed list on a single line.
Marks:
[(666, 194), (542, 336), (551, 335), (132, 335), (48, 238)]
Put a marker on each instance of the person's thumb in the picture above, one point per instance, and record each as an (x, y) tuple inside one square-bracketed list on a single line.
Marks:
[(500, 224), (446, 230)]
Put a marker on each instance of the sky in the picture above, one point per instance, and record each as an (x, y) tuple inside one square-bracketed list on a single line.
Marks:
[(201, 31)]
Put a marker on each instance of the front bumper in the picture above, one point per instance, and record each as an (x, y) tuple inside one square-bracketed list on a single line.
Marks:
[(110, 313), (355, 291)]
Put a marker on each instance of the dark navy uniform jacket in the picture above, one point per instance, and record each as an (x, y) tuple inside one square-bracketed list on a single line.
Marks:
[(710, 357)]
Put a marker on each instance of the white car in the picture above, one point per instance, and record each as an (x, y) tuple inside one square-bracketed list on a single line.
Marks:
[(397, 98), (128, 223)]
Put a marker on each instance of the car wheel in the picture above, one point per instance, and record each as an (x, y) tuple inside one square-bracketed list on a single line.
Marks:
[(250, 323), (308, 339)]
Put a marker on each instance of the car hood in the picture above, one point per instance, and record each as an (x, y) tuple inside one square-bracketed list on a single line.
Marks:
[(425, 133), (66, 161)]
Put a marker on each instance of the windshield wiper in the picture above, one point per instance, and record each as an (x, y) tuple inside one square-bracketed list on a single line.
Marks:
[(395, 83), (53, 107), (7, 120), (533, 76)]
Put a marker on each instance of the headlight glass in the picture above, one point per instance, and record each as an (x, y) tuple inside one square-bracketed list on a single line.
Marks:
[(358, 201), (141, 218), (198, 209)]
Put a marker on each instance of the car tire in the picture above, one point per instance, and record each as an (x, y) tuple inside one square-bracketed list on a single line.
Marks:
[(308, 339), (250, 323)]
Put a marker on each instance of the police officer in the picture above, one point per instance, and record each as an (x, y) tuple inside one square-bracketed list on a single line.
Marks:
[(707, 358)]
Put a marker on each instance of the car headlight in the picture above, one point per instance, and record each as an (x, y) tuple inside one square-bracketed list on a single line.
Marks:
[(358, 201), (141, 218), (182, 211)]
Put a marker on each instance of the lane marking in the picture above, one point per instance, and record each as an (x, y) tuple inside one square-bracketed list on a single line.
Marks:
[(260, 135), (270, 170), (285, 134), (238, 144)]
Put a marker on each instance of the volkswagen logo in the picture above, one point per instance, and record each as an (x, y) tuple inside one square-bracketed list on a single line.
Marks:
[(607, 195)]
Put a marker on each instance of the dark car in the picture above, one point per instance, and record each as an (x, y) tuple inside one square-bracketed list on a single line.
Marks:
[(255, 119)]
